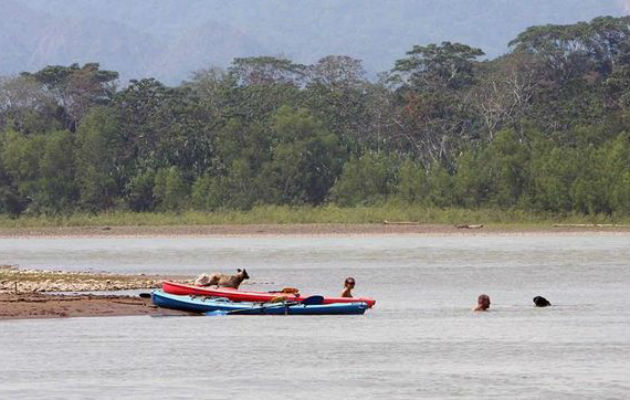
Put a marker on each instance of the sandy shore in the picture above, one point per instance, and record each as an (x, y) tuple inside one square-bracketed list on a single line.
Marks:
[(19, 280), (307, 229), (38, 305), (23, 294)]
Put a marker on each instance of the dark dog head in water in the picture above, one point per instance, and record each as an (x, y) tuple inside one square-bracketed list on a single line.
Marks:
[(243, 273), (541, 301)]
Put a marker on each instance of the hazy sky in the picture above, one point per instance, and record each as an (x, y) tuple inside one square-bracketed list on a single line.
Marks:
[(170, 38)]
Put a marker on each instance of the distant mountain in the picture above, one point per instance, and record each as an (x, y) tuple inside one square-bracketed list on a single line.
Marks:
[(168, 39), (202, 46), (20, 31), (119, 47), (36, 39)]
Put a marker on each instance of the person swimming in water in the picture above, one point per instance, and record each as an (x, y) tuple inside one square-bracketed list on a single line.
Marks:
[(483, 303), (348, 285)]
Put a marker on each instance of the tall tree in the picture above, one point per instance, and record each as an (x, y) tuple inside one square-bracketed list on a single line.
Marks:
[(266, 70), (434, 115), (101, 172), (435, 67), (306, 159), (505, 92), (76, 88), (336, 94), (578, 59), (26, 107)]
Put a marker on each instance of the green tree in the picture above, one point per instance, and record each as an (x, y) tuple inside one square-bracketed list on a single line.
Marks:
[(508, 158), (552, 172), (170, 190), (493, 175), (337, 95), (21, 155), (238, 188), (473, 184), (266, 70), (437, 67), (306, 159), (20, 169), (440, 186), (432, 119), (578, 59), (100, 173), (413, 186), (365, 180), (76, 89), (616, 155), (57, 172), (26, 107), (205, 193), (42, 168), (602, 183), (139, 192)]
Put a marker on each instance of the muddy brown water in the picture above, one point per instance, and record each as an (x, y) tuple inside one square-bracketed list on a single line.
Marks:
[(420, 341)]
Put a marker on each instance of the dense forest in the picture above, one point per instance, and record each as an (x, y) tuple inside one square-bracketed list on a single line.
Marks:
[(544, 128)]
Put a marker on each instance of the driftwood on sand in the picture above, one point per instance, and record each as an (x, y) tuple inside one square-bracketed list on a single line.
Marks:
[(585, 225), (469, 226), (386, 222), (459, 226)]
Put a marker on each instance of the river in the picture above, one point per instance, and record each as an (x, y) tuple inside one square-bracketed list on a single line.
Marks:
[(420, 341)]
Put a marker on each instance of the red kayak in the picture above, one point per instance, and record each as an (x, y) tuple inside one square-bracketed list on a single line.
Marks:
[(257, 297)]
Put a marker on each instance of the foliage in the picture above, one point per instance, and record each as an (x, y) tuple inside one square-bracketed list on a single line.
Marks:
[(541, 129), (413, 186), (365, 180), (170, 190), (98, 149), (269, 214)]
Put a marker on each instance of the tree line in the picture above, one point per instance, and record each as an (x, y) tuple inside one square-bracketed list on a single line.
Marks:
[(544, 127)]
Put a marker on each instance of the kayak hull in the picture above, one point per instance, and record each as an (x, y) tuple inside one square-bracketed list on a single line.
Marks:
[(203, 304), (256, 297)]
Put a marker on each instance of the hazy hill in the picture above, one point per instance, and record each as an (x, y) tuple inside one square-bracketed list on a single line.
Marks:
[(170, 38), (200, 46)]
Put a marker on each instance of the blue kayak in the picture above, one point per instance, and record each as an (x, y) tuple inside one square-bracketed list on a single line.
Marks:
[(202, 304)]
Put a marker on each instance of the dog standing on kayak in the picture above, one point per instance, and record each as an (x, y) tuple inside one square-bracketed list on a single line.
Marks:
[(233, 281)]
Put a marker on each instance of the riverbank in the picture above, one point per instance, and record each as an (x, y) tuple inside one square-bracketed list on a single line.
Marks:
[(326, 218), (391, 227), (24, 294), (17, 280), (38, 305)]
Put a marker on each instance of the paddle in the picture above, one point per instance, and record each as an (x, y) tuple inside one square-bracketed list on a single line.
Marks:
[(309, 301)]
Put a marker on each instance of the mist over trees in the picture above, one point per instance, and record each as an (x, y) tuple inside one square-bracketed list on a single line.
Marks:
[(545, 127)]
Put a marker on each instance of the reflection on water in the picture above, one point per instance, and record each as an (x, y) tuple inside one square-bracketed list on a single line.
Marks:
[(420, 341)]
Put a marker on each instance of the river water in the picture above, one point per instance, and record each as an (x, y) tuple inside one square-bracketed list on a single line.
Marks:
[(420, 341)]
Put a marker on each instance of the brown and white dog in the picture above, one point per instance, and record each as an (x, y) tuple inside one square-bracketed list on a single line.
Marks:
[(233, 281)]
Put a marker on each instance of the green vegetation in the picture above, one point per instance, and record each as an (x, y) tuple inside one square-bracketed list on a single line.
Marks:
[(312, 215), (538, 134)]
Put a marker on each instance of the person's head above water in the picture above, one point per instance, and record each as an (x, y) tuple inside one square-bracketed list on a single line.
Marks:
[(348, 285), (483, 302)]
